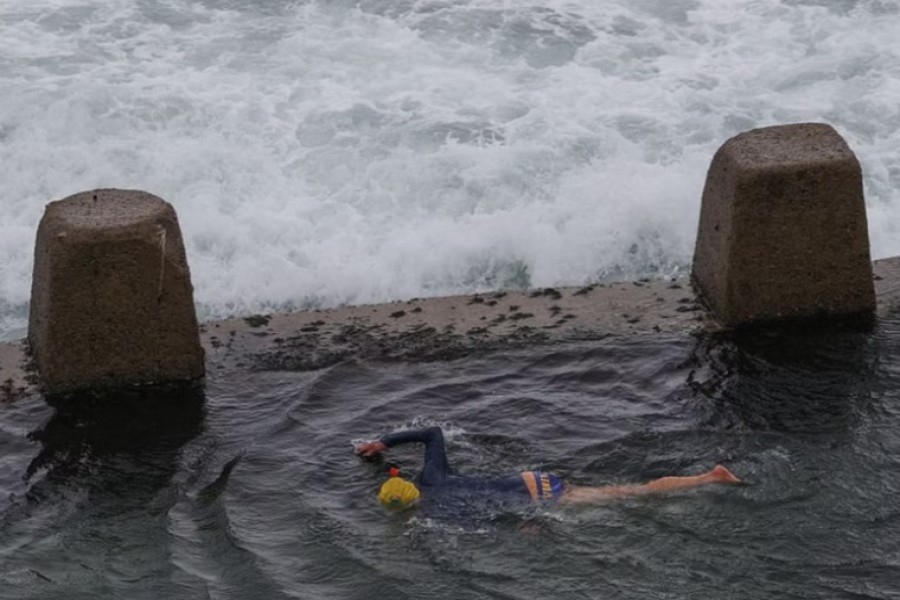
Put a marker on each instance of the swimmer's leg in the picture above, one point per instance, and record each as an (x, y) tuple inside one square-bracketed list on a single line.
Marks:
[(577, 494)]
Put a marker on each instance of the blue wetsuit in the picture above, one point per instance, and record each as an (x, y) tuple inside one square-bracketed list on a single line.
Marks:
[(438, 480)]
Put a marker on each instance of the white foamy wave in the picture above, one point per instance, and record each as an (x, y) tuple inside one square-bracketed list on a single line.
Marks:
[(326, 153)]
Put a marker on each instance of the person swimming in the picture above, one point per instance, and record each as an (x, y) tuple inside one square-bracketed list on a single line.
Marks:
[(438, 479)]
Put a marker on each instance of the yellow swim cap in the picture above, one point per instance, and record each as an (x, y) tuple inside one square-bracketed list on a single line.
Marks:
[(398, 493)]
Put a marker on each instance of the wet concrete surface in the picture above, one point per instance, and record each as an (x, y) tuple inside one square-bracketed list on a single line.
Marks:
[(446, 328)]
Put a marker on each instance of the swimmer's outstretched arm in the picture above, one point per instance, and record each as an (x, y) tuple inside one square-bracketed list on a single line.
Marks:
[(436, 466), (578, 494)]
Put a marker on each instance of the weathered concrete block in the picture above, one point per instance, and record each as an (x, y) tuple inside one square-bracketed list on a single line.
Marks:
[(783, 229), (111, 298)]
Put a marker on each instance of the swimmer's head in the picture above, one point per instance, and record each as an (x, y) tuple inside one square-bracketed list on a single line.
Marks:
[(398, 493)]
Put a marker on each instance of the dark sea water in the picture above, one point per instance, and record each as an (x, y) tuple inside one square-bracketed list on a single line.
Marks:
[(250, 489)]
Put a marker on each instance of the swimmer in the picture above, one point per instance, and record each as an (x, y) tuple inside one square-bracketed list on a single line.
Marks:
[(437, 477)]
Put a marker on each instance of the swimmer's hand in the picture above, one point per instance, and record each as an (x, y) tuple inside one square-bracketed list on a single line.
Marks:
[(370, 449)]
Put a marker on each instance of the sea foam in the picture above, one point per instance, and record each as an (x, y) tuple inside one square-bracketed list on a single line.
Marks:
[(344, 152)]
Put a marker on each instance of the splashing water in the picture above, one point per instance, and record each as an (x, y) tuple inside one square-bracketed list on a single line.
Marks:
[(331, 152)]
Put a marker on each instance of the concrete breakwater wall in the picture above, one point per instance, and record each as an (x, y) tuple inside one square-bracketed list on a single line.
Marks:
[(782, 235), (783, 229), (111, 297), (448, 327)]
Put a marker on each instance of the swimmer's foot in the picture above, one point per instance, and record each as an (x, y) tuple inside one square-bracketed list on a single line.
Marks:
[(720, 474)]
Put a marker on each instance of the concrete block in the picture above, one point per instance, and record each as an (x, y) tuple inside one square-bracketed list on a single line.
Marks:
[(111, 299), (783, 230)]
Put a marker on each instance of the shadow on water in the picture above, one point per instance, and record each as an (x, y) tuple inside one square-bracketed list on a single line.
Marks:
[(98, 493), (795, 377), (144, 428)]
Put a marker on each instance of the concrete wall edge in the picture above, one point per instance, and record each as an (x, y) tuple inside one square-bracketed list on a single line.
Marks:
[(447, 327)]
